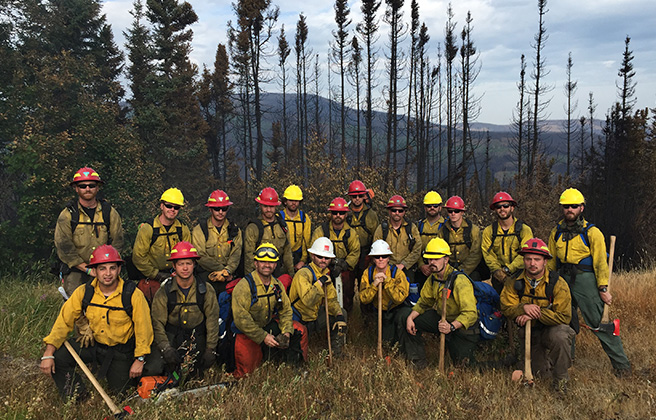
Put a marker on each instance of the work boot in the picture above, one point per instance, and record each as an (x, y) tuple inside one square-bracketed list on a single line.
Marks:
[(418, 364), (560, 387), (622, 373)]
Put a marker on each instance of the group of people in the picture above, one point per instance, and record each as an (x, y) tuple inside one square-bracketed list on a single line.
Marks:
[(287, 281)]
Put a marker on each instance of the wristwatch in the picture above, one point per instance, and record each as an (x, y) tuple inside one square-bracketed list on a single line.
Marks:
[(142, 359), (453, 329), (603, 289), (506, 270)]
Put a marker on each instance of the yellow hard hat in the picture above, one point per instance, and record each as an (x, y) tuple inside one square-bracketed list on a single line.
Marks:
[(432, 197), (293, 192), (437, 248), (173, 196), (572, 196), (266, 252)]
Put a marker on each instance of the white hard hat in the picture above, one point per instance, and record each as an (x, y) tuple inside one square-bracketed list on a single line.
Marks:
[(380, 247), (322, 247)]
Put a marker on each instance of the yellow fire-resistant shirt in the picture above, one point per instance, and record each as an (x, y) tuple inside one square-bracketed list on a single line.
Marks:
[(558, 312), (110, 327), (300, 232), (345, 249), (428, 230), (365, 223), (187, 316), (307, 295), (152, 259), (250, 319), (460, 306), (74, 248), (272, 233), (504, 251), (399, 243), (216, 252), (395, 290), (575, 250), (466, 257)]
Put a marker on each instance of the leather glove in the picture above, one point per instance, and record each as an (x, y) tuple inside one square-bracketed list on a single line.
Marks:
[(283, 340), (161, 276), (221, 275), (324, 280), (340, 325), (86, 335), (209, 359), (171, 356), (500, 275)]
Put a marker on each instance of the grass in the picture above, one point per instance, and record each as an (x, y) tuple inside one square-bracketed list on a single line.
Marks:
[(359, 385)]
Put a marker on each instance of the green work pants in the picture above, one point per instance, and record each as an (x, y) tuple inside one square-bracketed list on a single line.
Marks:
[(585, 296), (461, 343)]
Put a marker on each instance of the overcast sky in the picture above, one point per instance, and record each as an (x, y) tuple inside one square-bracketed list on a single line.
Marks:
[(593, 31)]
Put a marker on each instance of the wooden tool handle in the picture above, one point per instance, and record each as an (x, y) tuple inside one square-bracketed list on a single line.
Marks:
[(445, 296), (330, 349), (611, 256), (113, 408), (380, 320), (528, 373)]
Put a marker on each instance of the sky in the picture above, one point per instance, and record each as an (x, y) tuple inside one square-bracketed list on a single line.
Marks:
[(592, 30)]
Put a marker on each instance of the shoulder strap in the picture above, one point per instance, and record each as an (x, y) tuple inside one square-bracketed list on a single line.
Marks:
[(495, 227), (584, 234), (420, 226), (446, 233), (281, 222), (519, 225), (128, 290), (88, 295), (302, 217), (385, 226), (282, 214), (260, 230), (553, 279), (251, 284), (371, 272), (393, 270), (467, 234), (325, 229), (171, 296), (412, 239), (205, 229)]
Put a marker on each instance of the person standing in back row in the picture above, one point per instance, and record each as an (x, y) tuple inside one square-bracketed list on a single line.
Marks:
[(580, 257), (464, 238), (428, 229), (503, 239), (298, 223), (363, 219)]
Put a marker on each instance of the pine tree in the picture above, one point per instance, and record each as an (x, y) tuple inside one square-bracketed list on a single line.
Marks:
[(570, 108), (450, 53), (283, 54), (339, 53), (355, 76)]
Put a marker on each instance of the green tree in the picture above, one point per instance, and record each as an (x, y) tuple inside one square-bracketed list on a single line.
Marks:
[(339, 53)]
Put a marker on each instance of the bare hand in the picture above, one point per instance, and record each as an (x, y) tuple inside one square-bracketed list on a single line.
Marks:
[(136, 369), (47, 366), (410, 326), (379, 278), (400, 266), (532, 310), (606, 297), (522, 319), (425, 269), (444, 327), (299, 265), (270, 341)]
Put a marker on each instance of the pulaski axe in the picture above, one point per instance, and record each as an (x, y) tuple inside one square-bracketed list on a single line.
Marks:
[(606, 325)]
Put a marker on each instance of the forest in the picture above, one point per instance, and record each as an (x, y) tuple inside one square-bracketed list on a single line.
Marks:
[(147, 118)]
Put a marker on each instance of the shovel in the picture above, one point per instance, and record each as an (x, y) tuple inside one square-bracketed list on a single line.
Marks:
[(116, 412), (446, 292), (527, 376), (330, 349), (606, 325)]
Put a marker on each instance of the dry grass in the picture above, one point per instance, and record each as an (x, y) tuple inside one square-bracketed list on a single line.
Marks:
[(359, 385)]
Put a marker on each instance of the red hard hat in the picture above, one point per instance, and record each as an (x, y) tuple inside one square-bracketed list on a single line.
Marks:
[(86, 174), (500, 197), (218, 198), (455, 202), (357, 187), (268, 197), (396, 201), (338, 204), (183, 250), (104, 254), (536, 246)]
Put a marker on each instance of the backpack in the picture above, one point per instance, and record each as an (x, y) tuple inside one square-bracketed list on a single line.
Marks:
[(467, 239), (487, 305), (172, 296), (302, 222), (325, 228), (362, 221), (126, 299), (520, 285), (157, 233), (412, 297), (106, 210), (420, 226), (408, 230), (586, 263), (233, 231), (519, 225)]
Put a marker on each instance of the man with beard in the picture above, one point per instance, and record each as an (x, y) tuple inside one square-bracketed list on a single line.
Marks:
[(461, 314), (363, 219), (580, 251), (299, 223), (428, 229), (542, 297), (464, 238), (503, 239)]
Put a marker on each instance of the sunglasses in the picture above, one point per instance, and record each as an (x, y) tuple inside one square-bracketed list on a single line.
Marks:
[(266, 252), (397, 210), (172, 206), (432, 206), (217, 209), (320, 257), (85, 186), (502, 206), (358, 195), (341, 213), (453, 211), (379, 257), (571, 206)]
